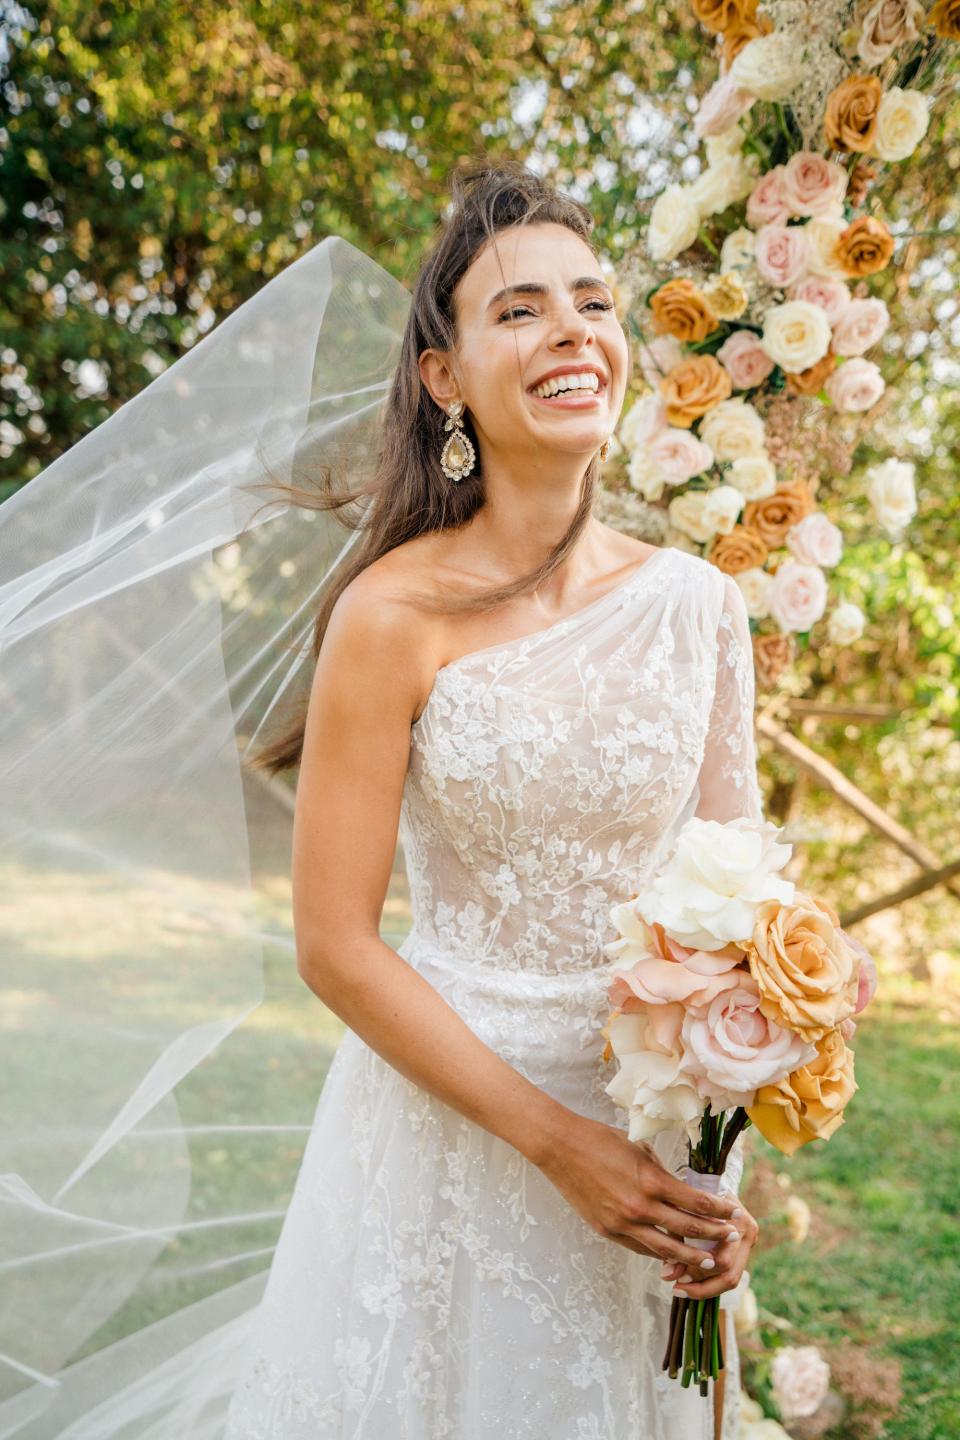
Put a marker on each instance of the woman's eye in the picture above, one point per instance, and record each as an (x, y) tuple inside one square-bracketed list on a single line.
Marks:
[(524, 310)]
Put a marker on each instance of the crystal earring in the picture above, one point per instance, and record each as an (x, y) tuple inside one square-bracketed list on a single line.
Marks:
[(458, 457)]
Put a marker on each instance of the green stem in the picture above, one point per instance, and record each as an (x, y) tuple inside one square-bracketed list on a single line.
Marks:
[(702, 235)]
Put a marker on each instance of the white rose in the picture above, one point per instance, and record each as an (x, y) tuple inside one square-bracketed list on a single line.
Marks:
[(686, 512), (754, 476), (800, 1378), (902, 120), (815, 540), (644, 474), (728, 142), (729, 180), (891, 490), (650, 1084), (674, 223), (796, 334), (822, 233), (846, 624), (755, 588), (738, 250), (768, 67), (798, 596), (706, 894), (733, 429), (643, 421), (724, 504)]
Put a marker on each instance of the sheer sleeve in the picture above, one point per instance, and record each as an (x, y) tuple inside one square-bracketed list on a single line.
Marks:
[(728, 782)]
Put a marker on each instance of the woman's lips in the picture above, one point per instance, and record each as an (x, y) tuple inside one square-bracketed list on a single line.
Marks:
[(570, 400)]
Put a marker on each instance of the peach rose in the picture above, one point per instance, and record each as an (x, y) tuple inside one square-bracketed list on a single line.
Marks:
[(813, 185), (806, 969), (767, 203), (719, 15), (812, 380), (861, 325), (741, 549), (945, 19), (885, 26), (679, 309), (781, 254), (798, 595), (850, 120), (745, 360), (864, 247), (832, 296), (772, 516), (693, 387), (809, 1104), (855, 386), (815, 540), (772, 654), (660, 971)]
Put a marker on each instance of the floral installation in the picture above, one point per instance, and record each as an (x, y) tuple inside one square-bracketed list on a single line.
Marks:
[(756, 348), (733, 994)]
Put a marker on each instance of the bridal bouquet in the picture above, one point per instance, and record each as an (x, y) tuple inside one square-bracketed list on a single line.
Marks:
[(733, 998)]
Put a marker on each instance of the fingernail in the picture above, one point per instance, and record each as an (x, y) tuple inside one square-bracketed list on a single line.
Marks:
[(736, 1214), (734, 1235), (707, 1263)]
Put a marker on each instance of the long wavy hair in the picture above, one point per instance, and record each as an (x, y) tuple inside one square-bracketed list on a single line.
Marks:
[(409, 495)]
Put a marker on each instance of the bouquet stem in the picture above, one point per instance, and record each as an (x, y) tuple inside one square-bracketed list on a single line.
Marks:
[(694, 1350)]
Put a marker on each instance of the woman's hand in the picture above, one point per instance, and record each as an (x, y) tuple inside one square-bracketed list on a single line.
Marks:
[(623, 1192), (732, 1257)]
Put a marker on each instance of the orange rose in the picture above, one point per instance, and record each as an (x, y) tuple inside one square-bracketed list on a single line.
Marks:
[(772, 516), (945, 19), (807, 972), (810, 381), (850, 121), (809, 1104), (864, 247), (771, 656), (691, 388), (680, 309), (742, 549), (719, 15)]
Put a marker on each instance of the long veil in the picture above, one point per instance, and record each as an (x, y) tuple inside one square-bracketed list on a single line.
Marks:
[(156, 1078)]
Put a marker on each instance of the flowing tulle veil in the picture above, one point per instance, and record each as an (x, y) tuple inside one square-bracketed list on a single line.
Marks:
[(153, 615)]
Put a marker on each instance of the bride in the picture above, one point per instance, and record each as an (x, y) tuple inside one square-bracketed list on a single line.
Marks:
[(531, 703), (536, 702)]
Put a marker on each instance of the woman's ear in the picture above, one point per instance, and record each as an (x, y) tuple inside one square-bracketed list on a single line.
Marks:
[(438, 377)]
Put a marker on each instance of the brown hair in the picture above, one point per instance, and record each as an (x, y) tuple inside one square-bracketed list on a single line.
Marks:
[(409, 493)]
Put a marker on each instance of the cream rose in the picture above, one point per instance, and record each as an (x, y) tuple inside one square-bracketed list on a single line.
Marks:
[(823, 232), (754, 476), (796, 334), (833, 296), (815, 540), (723, 184), (861, 325), (855, 385), (727, 142), (679, 455), (755, 588), (720, 109), (781, 254), (674, 223), (731, 1047), (891, 490), (800, 1378), (768, 67), (902, 121), (733, 429), (767, 203), (645, 475), (845, 624), (649, 1084), (687, 514), (798, 596), (722, 507), (813, 185), (737, 251), (745, 360)]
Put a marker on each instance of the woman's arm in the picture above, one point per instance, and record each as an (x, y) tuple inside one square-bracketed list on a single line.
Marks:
[(373, 673)]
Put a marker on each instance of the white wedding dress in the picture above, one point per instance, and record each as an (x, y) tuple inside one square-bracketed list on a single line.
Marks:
[(429, 1282)]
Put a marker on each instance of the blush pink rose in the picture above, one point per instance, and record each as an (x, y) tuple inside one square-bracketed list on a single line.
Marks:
[(659, 358), (679, 455), (861, 325), (671, 974), (781, 254), (745, 360), (797, 596), (855, 385), (767, 204), (867, 975), (721, 107), (813, 185), (815, 540), (832, 296), (731, 1048)]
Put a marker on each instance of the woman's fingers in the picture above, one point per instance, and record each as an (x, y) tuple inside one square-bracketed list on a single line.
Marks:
[(669, 1249), (692, 1227)]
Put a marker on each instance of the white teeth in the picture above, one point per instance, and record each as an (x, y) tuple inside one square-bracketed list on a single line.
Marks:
[(584, 380)]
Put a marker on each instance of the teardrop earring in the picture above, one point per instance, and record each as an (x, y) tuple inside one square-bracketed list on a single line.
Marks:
[(458, 457)]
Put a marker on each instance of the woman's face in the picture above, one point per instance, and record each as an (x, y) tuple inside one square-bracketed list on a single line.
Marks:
[(562, 318)]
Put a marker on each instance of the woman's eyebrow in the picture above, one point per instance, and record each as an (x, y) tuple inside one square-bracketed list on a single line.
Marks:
[(534, 287)]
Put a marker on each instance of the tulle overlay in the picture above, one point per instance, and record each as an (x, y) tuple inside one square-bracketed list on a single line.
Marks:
[(429, 1281)]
